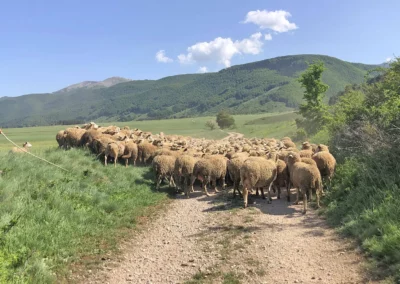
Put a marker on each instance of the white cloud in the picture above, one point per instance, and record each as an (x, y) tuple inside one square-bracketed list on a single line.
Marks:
[(268, 37), (222, 50), (161, 57), (203, 69), (273, 20), (388, 59)]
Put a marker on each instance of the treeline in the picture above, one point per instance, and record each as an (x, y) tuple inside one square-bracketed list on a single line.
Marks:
[(362, 128)]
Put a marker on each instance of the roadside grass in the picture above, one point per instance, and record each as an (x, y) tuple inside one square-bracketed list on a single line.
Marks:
[(364, 203), (50, 219), (256, 125)]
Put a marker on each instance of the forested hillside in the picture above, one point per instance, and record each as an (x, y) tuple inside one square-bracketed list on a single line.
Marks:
[(264, 86)]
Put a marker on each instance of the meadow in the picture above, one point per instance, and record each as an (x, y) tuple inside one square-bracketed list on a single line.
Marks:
[(256, 125)]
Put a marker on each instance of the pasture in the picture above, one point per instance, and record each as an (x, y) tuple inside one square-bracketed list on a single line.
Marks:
[(255, 125)]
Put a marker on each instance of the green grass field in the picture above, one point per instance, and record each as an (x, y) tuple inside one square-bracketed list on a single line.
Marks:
[(258, 125), (50, 219)]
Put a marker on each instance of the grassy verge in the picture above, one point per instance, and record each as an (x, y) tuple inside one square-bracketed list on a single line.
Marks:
[(50, 219), (365, 204)]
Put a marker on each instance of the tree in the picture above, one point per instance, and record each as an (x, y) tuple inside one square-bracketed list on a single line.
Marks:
[(211, 124), (225, 120), (314, 111)]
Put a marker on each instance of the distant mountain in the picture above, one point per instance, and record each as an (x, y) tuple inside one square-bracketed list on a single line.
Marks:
[(95, 84), (264, 86)]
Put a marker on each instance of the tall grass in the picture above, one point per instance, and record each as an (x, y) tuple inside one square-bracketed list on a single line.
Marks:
[(50, 218), (365, 204)]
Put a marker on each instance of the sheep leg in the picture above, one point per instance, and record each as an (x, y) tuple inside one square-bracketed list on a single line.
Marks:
[(279, 190), (115, 162), (297, 197), (105, 160), (257, 193), (288, 192), (159, 177), (126, 163), (172, 182), (186, 187), (191, 185), (318, 197), (205, 187), (304, 201), (310, 194), (245, 196), (214, 182), (262, 192), (269, 193)]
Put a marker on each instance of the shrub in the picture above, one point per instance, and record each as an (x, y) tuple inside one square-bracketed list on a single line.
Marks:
[(225, 120), (211, 124)]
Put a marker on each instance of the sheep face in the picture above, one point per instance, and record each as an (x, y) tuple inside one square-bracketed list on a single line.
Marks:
[(27, 145)]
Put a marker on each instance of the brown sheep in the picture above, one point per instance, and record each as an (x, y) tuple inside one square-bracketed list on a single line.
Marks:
[(288, 143), (88, 137), (25, 148), (306, 150), (326, 163), (73, 137), (114, 150), (99, 144), (184, 165), (304, 178), (282, 179), (146, 151), (208, 170), (233, 165), (257, 172), (130, 153), (164, 166), (60, 137)]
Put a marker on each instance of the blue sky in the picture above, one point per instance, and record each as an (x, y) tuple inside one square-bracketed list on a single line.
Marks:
[(46, 45)]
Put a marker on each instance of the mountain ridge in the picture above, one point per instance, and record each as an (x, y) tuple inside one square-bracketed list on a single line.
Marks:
[(109, 82), (268, 85)]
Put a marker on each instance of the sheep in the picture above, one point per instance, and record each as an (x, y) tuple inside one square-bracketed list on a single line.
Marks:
[(304, 177), (233, 165), (257, 172), (209, 169), (60, 137), (99, 144), (25, 148), (306, 150), (73, 137), (146, 151), (282, 177), (88, 137), (219, 170), (130, 153), (115, 150), (326, 163), (184, 165), (163, 167), (288, 143)]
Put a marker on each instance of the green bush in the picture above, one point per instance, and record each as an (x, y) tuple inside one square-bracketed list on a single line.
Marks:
[(365, 198), (225, 120)]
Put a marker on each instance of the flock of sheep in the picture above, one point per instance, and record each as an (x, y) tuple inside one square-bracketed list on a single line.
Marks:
[(251, 164)]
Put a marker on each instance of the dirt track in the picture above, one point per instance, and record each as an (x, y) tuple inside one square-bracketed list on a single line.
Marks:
[(212, 239)]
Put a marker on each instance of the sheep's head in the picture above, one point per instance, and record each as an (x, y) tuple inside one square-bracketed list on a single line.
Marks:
[(306, 146), (293, 158), (27, 145), (322, 147)]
